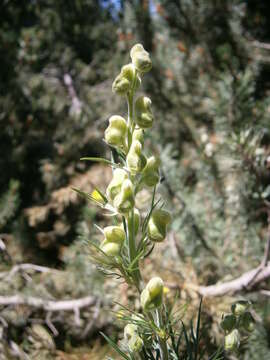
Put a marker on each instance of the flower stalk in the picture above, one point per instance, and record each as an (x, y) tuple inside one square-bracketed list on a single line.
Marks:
[(162, 341), (128, 243), (132, 249)]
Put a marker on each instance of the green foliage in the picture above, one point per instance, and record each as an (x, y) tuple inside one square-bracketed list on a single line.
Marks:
[(9, 203), (210, 91)]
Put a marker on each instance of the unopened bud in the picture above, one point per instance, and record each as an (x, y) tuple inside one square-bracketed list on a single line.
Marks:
[(134, 341), (239, 307), (151, 296), (143, 113), (135, 159), (116, 132), (247, 321), (121, 85), (135, 344), (228, 322), (111, 248), (114, 188), (157, 225), (129, 72), (130, 330), (232, 340), (126, 80), (140, 58), (124, 201), (114, 234), (138, 134), (150, 173)]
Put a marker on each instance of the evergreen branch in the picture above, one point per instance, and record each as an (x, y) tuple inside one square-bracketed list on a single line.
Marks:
[(197, 230)]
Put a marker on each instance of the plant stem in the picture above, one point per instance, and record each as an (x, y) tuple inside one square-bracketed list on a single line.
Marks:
[(161, 340), (132, 248), (130, 218), (130, 117)]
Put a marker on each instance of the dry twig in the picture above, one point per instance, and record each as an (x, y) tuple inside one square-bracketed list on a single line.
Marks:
[(242, 283), (90, 325), (24, 267), (48, 305)]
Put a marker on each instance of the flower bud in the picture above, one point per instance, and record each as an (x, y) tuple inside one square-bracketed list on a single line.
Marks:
[(228, 322), (126, 80), (135, 344), (114, 188), (121, 85), (135, 159), (157, 225), (150, 173), (140, 58), (111, 248), (151, 296), (143, 113), (247, 321), (116, 132), (114, 234), (232, 340), (124, 201), (129, 72), (138, 134), (239, 307), (130, 330)]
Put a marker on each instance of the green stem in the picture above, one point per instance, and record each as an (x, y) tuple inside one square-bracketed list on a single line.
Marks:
[(161, 340), (130, 109), (132, 251), (132, 248), (130, 117)]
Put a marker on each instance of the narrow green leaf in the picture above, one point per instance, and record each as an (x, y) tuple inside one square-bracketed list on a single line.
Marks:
[(115, 346), (100, 160), (87, 196), (198, 330), (178, 342), (189, 347)]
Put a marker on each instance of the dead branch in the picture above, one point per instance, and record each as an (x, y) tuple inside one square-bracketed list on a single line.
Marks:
[(76, 105), (236, 285), (261, 45), (265, 292), (90, 325), (48, 305), (24, 267), (18, 352), (266, 249)]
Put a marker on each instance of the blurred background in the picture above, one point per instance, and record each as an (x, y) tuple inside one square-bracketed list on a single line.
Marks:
[(209, 86)]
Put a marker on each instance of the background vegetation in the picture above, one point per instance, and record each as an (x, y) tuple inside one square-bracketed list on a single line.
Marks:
[(210, 91)]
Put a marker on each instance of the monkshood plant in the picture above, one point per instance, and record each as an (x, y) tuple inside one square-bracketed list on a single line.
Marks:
[(152, 333), (237, 325)]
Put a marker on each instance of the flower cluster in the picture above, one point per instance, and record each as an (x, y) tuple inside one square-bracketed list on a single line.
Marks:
[(135, 170), (238, 322)]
